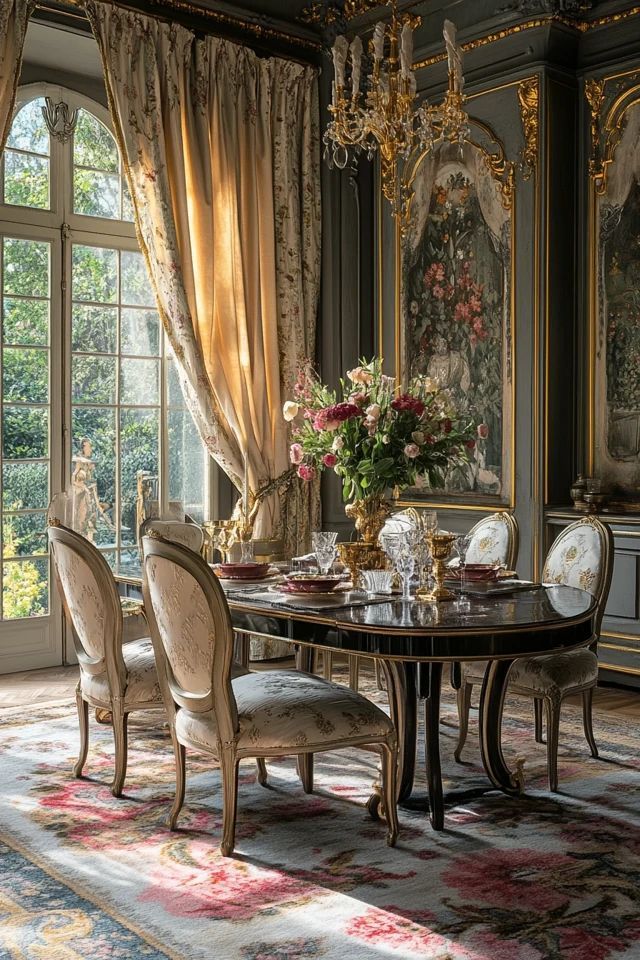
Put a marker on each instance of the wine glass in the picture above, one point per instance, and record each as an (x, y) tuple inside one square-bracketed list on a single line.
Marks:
[(405, 564), (324, 547)]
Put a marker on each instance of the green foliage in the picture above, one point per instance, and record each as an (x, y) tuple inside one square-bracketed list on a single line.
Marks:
[(29, 130), (25, 486), (25, 321), (93, 379), (25, 433), (26, 267), (25, 583), (26, 180), (94, 145), (95, 274), (25, 375)]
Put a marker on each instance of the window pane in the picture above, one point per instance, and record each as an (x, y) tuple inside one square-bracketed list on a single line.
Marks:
[(139, 444), (25, 485), (25, 321), (98, 426), (96, 194), (93, 380), (136, 288), (94, 145), (26, 180), (139, 381), (23, 534), (26, 267), (174, 390), (186, 464), (95, 274), (25, 433), (28, 130), (94, 329), (25, 375), (140, 332), (25, 589)]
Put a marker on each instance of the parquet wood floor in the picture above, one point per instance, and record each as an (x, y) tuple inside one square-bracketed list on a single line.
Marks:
[(58, 683)]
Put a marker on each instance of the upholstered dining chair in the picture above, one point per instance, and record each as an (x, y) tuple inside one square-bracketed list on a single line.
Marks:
[(581, 556), (275, 713), (113, 677)]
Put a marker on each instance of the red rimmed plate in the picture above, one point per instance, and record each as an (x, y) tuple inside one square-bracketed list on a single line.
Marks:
[(242, 571), (311, 583)]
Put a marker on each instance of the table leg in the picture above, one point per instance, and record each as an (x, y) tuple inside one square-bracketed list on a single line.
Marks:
[(432, 746), (494, 687), (305, 661)]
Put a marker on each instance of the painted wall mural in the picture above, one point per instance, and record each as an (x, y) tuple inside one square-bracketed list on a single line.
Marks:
[(617, 361), (455, 305)]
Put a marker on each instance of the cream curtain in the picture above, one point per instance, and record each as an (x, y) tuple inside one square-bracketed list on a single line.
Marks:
[(222, 150), (14, 17)]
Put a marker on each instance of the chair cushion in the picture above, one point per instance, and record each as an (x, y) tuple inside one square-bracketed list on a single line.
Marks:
[(142, 678), (490, 541), (556, 674), (286, 709)]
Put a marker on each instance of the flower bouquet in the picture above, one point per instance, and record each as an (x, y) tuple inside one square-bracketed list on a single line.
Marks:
[(379, 436)]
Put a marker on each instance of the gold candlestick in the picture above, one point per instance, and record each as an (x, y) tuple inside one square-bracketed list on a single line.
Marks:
[(440, 545)]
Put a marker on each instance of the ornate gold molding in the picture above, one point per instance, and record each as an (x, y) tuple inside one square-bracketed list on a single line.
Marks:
[(581, 26), (163, 8), (594, 94), (318, 12), (529, 101)]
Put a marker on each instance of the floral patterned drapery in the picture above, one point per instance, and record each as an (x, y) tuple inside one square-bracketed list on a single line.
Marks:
[(222, 150), (14, 17)]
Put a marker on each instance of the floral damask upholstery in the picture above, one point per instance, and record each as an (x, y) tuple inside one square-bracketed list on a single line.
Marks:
[(576, 559), (187, 534), (279, 709), (141, 676), (554, 674), (184, 623), (491, 541), (84, 600)]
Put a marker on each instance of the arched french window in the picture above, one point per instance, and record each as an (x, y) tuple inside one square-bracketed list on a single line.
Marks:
[(88, 385)]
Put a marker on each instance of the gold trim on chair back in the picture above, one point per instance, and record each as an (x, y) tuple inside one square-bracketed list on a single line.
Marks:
[(191, 632), (563, 561), (483, 526), (175, 531), (91, 605)]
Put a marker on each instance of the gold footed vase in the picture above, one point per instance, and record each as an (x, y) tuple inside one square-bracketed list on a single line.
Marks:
[(440, 545), (369, 515)]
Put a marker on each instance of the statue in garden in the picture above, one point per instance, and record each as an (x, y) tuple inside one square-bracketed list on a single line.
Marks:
[(86, 504)]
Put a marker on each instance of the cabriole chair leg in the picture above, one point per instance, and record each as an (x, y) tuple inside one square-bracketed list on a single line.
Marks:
[(262, 771), (305, 771), (83, 718), (180, 754), (537, 719), (553, 731), (389, 791), (120, 723), (229, 770), (587, 720)]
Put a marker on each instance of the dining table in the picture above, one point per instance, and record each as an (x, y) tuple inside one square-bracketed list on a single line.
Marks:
[(412, 640)]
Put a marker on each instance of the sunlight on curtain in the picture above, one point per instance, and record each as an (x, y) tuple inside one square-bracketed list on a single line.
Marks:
[(223, 156)]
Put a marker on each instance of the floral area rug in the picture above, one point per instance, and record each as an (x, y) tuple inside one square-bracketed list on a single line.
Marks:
[(532, 878)]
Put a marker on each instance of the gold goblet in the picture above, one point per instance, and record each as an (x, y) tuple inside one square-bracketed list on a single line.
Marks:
[(358, 556), (440, 545)]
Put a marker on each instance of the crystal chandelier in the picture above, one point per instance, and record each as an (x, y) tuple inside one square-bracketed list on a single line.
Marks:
[(384, 118)]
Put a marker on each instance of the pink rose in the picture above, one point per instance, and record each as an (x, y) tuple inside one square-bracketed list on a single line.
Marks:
[(411, 450), (470, 444), (483, 431), (296, 453), (329, 459), (305, 472)]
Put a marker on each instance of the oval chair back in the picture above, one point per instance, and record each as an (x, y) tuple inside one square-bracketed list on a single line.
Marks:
[(582, 556), (91, 604), (494, 539), (191, 632)]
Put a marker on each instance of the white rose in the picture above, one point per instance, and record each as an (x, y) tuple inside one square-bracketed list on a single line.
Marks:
[(290, 410), (385, 438), (337, 444), (373, 411)]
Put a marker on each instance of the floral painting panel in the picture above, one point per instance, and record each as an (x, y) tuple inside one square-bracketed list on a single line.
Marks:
[(617, 440), (456, 317)]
